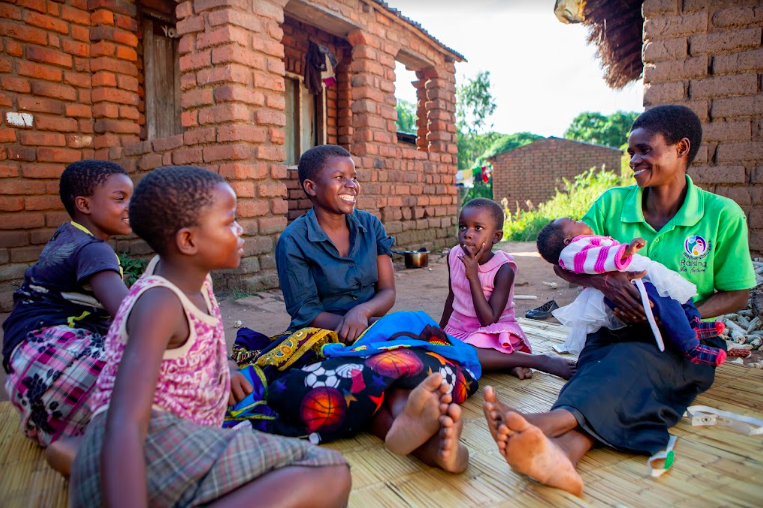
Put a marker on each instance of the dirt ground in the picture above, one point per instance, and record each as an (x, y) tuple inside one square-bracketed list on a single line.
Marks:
[(417, 289)]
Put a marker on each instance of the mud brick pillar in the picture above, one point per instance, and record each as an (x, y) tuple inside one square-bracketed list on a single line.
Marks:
[(114, 68), (422, 124), (232, 80), (373, 113), (441, 126)]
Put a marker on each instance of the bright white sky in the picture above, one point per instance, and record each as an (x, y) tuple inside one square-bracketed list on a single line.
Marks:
[(543, 72)]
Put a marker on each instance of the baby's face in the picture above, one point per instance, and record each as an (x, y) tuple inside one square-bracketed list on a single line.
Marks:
[(572, 228)]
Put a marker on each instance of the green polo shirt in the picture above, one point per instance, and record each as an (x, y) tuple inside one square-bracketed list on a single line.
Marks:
[(706, 242)]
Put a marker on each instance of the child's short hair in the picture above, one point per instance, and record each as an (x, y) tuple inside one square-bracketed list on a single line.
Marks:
[(491, 206), (168, 199), (675, 123), (313, 161), (551, 242), (82, 177)]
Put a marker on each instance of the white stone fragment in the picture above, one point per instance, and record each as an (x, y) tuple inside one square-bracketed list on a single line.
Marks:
[(19, 119)]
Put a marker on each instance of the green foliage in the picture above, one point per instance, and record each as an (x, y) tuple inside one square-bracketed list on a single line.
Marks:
[(133, 268), (480, 190), (596, 128), (509, 142), (470, 146), (474, 106), (573, 200), (406, 116)]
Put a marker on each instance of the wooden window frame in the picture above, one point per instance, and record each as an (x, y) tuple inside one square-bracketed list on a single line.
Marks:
[(321, 119), (149, 66)]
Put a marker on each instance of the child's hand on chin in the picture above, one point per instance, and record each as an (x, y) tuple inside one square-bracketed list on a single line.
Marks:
[(240, 386), (470, 260)]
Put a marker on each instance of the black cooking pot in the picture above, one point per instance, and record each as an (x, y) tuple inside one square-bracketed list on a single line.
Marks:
[(415, 258)]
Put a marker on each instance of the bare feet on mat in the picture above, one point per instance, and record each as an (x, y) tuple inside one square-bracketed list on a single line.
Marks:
[(452, 455), (529, 451), (493, 409), (60, 454), (420, 418), (552, 424), (521, 372), (562, 367)]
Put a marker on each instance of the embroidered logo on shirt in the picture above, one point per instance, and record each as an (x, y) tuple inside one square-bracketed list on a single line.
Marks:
[(696, 246)]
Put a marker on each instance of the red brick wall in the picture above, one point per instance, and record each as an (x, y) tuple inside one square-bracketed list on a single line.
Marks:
[(534, 171), (708, 56), (73, 70)]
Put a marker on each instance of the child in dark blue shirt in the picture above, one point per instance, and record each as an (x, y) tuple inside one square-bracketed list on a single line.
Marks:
[(53, 338)]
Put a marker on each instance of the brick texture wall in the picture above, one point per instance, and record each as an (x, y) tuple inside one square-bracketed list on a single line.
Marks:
[(533, 172), (72, 87), (708, 55)]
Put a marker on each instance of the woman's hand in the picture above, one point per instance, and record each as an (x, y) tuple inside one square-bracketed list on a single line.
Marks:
[(240, 386), (352, 324), (469, 259), (618, 288)]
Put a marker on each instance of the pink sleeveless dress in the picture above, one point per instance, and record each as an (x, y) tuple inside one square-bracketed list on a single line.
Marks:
[(194, 379), (505, 335)]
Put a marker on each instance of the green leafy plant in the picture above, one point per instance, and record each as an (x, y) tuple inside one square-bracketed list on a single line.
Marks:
[(133, 268), (572, 200)]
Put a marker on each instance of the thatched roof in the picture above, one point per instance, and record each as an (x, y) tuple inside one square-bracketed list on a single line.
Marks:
[(616, 27)]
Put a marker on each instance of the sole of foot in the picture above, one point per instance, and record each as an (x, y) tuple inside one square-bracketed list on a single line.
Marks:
[(530, 452), (420, 418)]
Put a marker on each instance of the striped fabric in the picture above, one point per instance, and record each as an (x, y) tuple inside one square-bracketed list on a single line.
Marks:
[(192, 465), (594, 254)]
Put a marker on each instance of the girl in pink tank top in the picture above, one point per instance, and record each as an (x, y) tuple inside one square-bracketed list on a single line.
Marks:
[(156, 437), (480, 307)]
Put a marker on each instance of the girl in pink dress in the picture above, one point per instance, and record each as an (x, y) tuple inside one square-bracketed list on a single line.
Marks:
[(480, 307)]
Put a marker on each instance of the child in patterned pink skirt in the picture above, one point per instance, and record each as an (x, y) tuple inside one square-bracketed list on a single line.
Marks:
[(480, 307)]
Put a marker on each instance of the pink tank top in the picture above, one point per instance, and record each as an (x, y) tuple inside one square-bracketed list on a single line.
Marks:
[(194, 379), (463, 321)]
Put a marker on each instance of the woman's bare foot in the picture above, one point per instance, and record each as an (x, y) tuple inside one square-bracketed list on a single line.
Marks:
[(521, 372), (553, 423), (60, 454), (561, 367), (529, 451), (452, 455), (420, 418)]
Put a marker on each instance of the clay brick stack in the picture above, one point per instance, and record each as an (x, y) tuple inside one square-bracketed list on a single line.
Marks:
[(708, 56), (533, 172)]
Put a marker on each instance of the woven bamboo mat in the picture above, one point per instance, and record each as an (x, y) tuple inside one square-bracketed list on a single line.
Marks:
[(713, 466)]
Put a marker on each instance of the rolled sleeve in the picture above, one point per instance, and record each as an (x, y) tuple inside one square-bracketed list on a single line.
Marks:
[(300, 293)]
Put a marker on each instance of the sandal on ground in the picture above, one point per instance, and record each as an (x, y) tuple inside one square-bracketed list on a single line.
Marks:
[(542, 312)]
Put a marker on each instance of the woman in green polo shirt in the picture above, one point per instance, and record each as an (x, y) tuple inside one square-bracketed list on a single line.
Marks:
[(626, 394)]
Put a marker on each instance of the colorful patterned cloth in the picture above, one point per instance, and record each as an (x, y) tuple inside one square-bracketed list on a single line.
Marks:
[(309, 385), (53, 372), (192, 465)]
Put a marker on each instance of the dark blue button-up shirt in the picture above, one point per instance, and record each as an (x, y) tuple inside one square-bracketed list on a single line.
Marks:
[(315, 278)]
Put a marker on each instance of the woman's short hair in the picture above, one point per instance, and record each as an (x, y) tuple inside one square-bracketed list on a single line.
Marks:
[(674, 123), (168, 199), (314, 160)]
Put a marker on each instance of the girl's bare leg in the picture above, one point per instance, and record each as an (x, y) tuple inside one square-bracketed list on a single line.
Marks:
[(294, 486), (518, 362), (60, 454)]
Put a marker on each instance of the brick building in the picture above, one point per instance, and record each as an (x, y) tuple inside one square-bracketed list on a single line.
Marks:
[(219, 83), (707, 55), (532, 172)]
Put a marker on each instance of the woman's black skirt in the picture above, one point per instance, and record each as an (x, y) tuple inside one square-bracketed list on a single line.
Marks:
[(627, 393)]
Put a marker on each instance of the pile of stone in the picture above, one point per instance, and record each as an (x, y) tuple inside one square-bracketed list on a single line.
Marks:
[(744, 329)]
